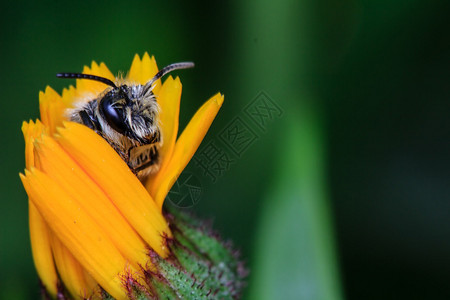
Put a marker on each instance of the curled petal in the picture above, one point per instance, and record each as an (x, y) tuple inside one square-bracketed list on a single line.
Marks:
[(41, 249), (51, 108), (59, 166), (75, 278), (169, 103), (185, 148), (116, 180), (77, 231), (39, 231), (31, 131)]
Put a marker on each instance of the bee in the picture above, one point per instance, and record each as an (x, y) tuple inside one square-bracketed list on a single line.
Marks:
[(126, 115)]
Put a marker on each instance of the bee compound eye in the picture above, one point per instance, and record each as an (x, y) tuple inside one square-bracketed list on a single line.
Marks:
[(113, 115)]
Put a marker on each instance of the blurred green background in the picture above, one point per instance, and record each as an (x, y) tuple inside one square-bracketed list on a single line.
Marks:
[(343, 196)]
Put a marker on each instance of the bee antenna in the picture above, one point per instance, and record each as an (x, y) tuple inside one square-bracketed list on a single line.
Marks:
[(168, 69), (87, 76)]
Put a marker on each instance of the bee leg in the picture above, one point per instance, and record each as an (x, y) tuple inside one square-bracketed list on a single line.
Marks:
[(129, 163), (86, 120)]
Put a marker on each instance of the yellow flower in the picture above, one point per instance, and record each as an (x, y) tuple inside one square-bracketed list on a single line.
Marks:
[(92, 222)]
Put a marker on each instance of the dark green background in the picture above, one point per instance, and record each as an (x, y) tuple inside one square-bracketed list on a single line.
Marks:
[(360, 158)]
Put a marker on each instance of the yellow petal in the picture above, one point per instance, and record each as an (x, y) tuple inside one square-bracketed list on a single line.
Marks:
[(31, 131), (149, 70), (39, 232), (136, 70), (68, 96), (91, 285), (41, 250), (169, 103), (103, 71), (71, 272), (99, 160), (60, 167), (51, 108), (185, 148), (142, 71), (77, 231)]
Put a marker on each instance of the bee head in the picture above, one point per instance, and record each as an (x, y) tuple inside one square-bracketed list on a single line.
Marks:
[(131, 110)]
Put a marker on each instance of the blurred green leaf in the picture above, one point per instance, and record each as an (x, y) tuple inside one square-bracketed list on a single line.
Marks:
[(294, 253), (294, 256)]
